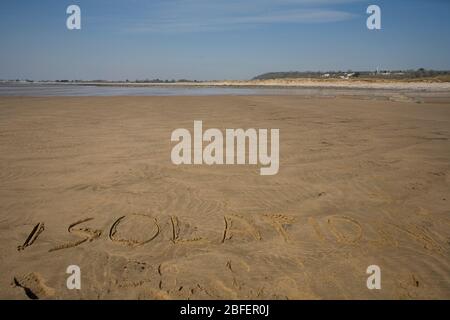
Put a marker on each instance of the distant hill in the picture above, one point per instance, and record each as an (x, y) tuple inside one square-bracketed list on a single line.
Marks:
[(289, 74), (380, 74)]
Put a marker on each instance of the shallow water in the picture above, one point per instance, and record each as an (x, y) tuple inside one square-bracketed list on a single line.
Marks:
[(90, 90), (45, 90)]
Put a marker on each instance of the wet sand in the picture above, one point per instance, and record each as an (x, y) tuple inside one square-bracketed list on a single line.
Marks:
[(88, 181)]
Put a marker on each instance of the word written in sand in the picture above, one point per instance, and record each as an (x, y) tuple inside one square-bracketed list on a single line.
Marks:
[(333, 229), (233, 152)]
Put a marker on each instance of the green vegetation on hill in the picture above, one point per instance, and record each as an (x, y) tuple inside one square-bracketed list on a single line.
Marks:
[(419, 74)]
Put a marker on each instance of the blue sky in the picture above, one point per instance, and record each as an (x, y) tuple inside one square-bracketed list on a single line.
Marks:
[(217, 39)]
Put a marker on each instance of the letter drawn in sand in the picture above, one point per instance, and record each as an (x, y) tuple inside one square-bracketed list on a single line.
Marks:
[(133, 242), (37, 230), (88, 234), (238, 225)]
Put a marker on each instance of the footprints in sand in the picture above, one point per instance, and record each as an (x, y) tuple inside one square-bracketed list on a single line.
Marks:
[(408, 287), (135, 274), (37, 230), (34, 286)]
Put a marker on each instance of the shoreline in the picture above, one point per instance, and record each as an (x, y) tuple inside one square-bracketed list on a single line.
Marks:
[(266, 84)]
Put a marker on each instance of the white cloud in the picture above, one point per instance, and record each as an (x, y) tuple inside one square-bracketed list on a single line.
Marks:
[(213, 15)]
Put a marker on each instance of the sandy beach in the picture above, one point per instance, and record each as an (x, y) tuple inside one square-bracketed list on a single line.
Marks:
[(88, 181), (305, 83)]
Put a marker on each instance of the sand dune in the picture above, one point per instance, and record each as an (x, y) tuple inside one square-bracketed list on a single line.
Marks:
[(89, 182)]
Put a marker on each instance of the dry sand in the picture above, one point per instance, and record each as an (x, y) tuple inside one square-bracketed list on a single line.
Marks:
[(371, 84), (338, 83), (361, 182)]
